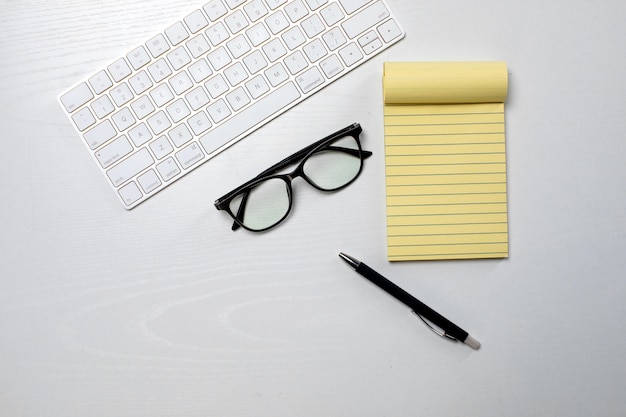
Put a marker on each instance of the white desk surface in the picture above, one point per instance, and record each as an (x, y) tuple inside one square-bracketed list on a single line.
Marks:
[(164, 311)]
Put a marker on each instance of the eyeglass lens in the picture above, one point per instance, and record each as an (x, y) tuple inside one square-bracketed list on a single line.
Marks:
[(329, 168)]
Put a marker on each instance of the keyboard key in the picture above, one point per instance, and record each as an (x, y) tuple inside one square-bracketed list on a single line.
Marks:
[(196, 21), (159, 122), (332, 14), (238, 46), (273, 4), (178, 110), (365, 19), (161, 95), (313, 26), (200, 70), (236, 22), (159, 70), (140, 82), (277, 22), (149, 181), (351, 6), (296, 62), (139, 134), (219, 58), (367, 38), (197, 98), (121, 94), (158, 45), (237, 99), (239, 124), (198, 46), (334, 38), (234, 3), (255, 62), (351, 54), (176, 33), (83, 119), (217, 33), (123, 119), (315, 50), (310, 79), (168, 169), (235, 74), (218, 111), (100, 82), (389, 30), (114, 151), (100, 134), (274, 50), (130, 167), (138, 57), (190, 155), (316, 4), (257, 87), (215, 9), (296, 10), (199, 123), (161, 147), (293, 38), (102, 106), (76, 97), (178, 58), (119, 70), (216, 86), (181, 83), (130, 193), (372, 46), (276, 74), (180, 135), (257, 34), (331, 66), (142, 107), (255, 10)]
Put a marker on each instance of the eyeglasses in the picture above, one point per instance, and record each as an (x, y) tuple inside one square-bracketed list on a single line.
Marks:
[(329, 164)]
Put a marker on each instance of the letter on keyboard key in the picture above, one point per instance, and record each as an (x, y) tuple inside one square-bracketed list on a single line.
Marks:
[(250, 117), (130, 167), (365, 19), (76, 97)]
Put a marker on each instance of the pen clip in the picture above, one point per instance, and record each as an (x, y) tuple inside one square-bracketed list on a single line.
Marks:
[(441, 333)]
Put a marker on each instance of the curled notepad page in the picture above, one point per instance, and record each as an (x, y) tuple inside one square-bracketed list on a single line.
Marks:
[(445, 160)]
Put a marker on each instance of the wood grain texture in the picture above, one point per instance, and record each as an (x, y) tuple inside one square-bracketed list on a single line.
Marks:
[(163, 311)]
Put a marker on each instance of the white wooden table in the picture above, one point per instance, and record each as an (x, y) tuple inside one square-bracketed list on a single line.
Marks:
[(164, 311)]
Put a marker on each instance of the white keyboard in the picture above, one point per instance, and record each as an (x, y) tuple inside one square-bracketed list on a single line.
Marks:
[(211, 78)]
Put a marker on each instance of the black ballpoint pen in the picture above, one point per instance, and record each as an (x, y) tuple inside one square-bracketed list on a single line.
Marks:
[(449, 329)]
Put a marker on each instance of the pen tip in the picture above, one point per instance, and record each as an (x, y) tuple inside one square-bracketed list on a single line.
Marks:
[(471, 342), (349, 259)]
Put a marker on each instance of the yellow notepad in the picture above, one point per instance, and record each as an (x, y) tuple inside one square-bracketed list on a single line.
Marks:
[(445, 160)]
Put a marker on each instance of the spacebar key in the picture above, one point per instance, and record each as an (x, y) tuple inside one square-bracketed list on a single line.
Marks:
[(250, 117)]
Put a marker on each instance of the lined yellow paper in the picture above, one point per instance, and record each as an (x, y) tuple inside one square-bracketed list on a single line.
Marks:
[(445, 160)]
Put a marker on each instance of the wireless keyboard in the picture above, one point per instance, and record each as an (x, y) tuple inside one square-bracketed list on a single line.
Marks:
[(208, 80)]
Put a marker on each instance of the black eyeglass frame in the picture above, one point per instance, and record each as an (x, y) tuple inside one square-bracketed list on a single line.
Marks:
[(223, 203)]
